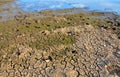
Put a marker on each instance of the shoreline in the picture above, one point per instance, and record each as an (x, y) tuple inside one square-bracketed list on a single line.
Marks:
[(9, 10), (108, 17), (9, 15)]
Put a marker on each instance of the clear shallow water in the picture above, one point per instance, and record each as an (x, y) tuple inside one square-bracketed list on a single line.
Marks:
[(98, 5)]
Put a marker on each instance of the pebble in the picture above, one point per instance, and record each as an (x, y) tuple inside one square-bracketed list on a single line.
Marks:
[(72, 73), (59, 74), (82, 72), (47, 60)]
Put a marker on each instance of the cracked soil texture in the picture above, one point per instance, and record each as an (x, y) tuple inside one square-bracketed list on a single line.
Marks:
[(96, 53)]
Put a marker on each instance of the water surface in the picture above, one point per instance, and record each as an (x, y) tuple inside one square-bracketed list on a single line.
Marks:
[(97, 5)]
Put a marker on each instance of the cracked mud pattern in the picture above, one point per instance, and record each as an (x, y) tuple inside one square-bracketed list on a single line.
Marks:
[(96, 53)]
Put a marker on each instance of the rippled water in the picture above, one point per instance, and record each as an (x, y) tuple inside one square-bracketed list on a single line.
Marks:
[(98, 5)]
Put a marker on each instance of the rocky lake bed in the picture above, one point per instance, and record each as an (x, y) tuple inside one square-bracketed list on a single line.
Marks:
[(62, 43)]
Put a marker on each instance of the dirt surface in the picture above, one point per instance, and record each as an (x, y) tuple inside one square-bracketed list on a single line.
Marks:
[(95, 54), (60, 45)]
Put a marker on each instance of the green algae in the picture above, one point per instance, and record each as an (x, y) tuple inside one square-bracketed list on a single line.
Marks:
[(22, 30), (44, 42)]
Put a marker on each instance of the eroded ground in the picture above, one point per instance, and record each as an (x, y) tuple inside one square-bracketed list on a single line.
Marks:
[(60, 45)]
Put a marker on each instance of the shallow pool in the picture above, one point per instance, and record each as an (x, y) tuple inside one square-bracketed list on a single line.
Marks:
[(97, 5)]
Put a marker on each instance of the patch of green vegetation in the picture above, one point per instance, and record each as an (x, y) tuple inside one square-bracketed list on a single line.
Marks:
[(11, 29), (43, 42), (61, 54)]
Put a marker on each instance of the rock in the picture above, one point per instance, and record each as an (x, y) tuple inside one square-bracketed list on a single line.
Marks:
[(47, 60), (72, 73), (45, 54), (59, 74), (43, 73), (82, 72), (37, 21), (48, 69), (24, 72), (12, 73), (29, 75), (37, 64), (17, 73)]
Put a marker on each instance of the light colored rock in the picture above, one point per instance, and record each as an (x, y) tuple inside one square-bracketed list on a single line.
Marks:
[(71, 73), (59, 74), (37, 64), (47, 60)]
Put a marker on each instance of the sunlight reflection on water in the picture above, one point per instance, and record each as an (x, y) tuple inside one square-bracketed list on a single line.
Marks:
[(98, 5)]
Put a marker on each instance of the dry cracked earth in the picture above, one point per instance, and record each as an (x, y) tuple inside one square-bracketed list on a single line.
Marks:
[(96, 53)]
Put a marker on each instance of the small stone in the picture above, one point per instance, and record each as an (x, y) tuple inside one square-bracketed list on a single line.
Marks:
[(92, 67), (43, 73), (17, 73), (21, 69), (37, 64), (24, 72), (37, 21), (50, 58), (74, 52), (47, 60), (82, 72), (72, 73), (29, 75), (101, 63), (72, 62), (4, 56), (118, 52), (45, 54), (58, 74), (48, 69)]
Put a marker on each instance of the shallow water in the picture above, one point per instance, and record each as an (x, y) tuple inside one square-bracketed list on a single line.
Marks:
[(97, 5)]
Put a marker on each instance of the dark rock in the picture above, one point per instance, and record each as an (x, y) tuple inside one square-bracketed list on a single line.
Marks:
[(17, 30), (48, 25), (113, 28), (74, 52), (18, 53), (87, 23), (27, 26), (37, 27), (50, 58), (118, 37), (105, 27)]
